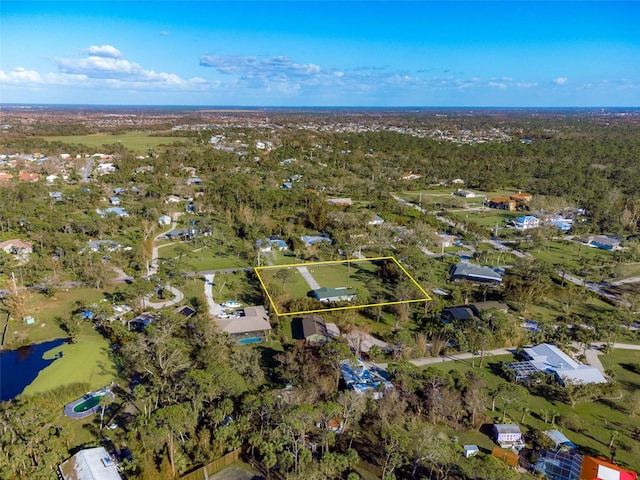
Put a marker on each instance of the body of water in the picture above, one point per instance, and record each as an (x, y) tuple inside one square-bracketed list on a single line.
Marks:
[(18, 368)]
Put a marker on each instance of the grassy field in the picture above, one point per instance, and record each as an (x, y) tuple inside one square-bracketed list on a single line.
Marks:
[(363, 276), (201, 258), (44, 311), (138, 142), (86, 361), (485, 218)]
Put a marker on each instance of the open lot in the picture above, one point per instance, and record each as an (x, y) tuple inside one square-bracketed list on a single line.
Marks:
[(374, 281), (139, 142)]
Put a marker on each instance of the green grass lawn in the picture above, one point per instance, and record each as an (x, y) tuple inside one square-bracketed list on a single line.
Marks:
[(485, 218), (86, 361), (44, 310), (139, 142), (593, 421)]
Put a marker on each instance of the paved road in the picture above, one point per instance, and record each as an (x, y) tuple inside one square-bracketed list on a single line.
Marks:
[(313, 285), (86, 170), (592, 355), (214, 308), (624, 281), (178, 296)]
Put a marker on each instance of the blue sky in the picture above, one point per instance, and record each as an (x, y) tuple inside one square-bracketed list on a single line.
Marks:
[(328, 53)]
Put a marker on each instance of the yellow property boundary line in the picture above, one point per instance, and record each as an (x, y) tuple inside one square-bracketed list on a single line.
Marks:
[(348, 307)]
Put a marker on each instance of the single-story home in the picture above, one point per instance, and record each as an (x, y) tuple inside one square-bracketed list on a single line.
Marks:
[(28, 177), (164, 220), (464, 193), (272, 244), (57, 196), (362, 342), (310, 240), (90, 464), (447, 240), (103, 245), (141, 321), (460, 313), (376, 220), (314, 329), (121, 212), (345, 202), (359, 379), (474, 273), (411, 176), (547, 358), (252, 327), (328, 295), (16, 247), (507, 434), (605, 242)]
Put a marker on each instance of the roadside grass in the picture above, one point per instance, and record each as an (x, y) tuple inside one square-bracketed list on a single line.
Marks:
[(627, 270), (89, 361), (485, 218), (138, 142), (45, 310), (570, 255), (589, 424)]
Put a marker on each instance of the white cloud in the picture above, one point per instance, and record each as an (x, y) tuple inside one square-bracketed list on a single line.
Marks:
[(104, 51), (527, 84), (560, 80), (20, 75), (164, 33)]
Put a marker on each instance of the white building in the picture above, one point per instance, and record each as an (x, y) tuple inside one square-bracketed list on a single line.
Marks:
[(526, 222), (90, 464)]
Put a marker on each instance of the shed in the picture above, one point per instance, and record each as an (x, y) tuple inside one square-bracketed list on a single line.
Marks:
[(470, 450)]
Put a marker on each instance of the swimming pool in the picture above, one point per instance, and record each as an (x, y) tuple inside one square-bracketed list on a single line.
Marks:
[(88, 404), (246, 341)]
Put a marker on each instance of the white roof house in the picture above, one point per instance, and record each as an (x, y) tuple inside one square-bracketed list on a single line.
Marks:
[(507, 434), (548, 358), (526, 222), (90, 464)]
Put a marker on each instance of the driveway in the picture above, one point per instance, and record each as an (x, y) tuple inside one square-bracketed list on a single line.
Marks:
[(214, 308), (313, 285)]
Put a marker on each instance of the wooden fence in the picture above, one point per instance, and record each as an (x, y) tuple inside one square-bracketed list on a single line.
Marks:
[(203, 473)]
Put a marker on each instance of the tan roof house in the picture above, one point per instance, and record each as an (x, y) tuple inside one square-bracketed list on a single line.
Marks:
[(250, 327), (28, 177)]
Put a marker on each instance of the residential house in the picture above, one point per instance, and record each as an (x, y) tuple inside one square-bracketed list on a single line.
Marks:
[(520, 198), (28, 177), (104, 168), (474, 273), (121, 212), (507, 435), (57, 196), (376, 220), (173, 199), (90, 464), (502, 203), (194, 181), (103, 245), (458, 181), (141, 321), (411, 176), (447, 240), (344, 202), (526, 222), (51, 178), (114, 201), (252, 327), (5, 177), (605, 242), (463, 313), (310, 240), (186, 311), (362, 342), (329, 295), (464, 193), (16, 247), (547, 358), (314, 329), (164, 220), (272, 244), (359, 379), (599, 468)]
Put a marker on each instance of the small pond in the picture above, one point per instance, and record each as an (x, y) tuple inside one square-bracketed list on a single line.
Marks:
[(18, 368)]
